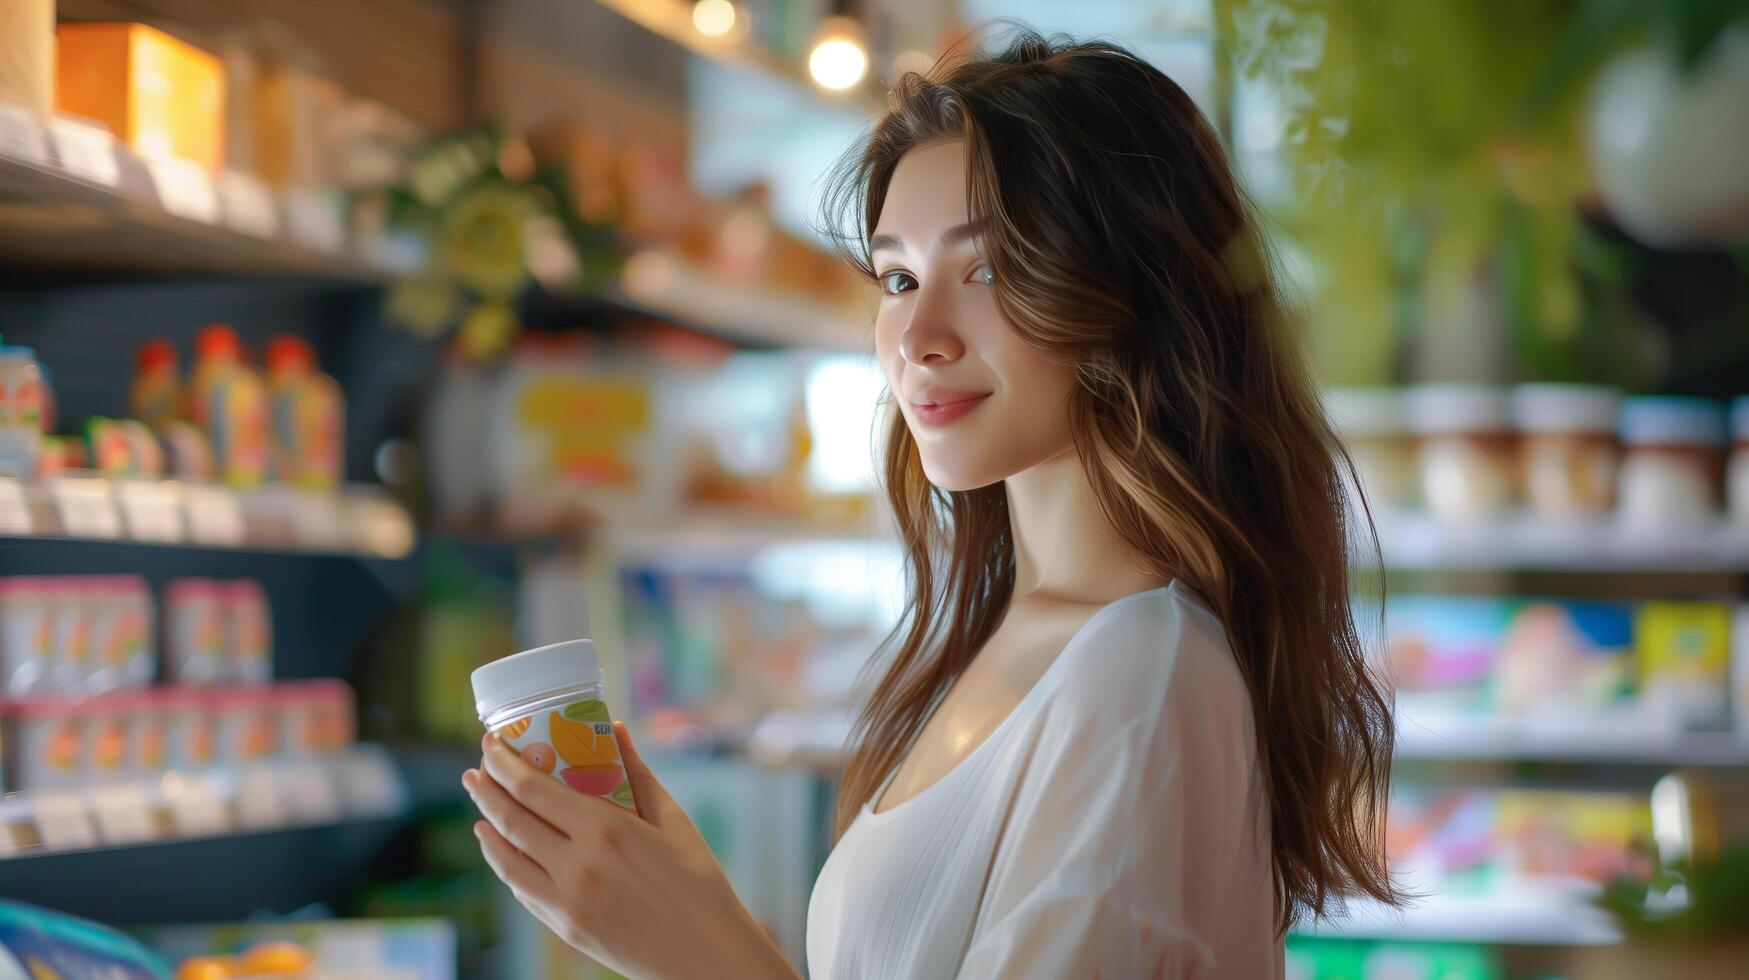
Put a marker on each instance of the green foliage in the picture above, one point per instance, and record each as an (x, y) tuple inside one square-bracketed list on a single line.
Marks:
[(1435, 147), (1716, 900)]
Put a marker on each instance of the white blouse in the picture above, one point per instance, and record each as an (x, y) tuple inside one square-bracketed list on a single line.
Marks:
[(1114, 825)]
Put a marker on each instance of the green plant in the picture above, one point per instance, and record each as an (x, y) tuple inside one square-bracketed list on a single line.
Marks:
[(1685, 901), (1435, 153)]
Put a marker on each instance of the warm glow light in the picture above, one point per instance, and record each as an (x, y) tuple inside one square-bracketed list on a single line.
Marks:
[(713, 18), (838, 60)]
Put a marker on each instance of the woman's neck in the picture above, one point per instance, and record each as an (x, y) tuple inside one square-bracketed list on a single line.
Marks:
[(1064, 548)]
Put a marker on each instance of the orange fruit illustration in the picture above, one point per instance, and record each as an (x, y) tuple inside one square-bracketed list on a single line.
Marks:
[(516, 728)]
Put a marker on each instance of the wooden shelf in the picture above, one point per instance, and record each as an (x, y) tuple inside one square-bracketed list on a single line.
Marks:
[(72, 200)]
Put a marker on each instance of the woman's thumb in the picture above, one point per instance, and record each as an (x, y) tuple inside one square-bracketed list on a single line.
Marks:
[(654, 803)]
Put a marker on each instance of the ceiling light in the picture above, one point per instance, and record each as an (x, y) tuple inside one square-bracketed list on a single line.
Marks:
[(839, 58), (713, 18)]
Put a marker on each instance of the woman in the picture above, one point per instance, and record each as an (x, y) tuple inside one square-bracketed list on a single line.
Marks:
[(1127, 728)]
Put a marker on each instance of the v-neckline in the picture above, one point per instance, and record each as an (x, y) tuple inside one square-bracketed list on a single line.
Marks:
[(1038, 690)]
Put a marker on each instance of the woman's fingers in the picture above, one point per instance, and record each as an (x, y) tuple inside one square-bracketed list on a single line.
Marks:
[(544, 796), (528, 833), (654, 803), (512, 866)]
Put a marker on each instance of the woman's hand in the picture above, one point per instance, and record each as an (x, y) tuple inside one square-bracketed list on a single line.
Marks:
[(642, 896)]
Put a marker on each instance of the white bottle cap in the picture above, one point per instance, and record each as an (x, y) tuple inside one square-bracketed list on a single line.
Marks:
[(1563, 408), (531, 673), (1448, 409), (1366, 411), (1673, 421)]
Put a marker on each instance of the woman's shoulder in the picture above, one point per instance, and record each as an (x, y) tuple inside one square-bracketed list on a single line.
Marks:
[(1147, 651)]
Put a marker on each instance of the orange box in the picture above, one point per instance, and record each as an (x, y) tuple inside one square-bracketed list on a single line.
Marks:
[(158, 95)]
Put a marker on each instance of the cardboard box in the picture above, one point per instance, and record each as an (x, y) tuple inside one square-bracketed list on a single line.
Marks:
[(158, 95)]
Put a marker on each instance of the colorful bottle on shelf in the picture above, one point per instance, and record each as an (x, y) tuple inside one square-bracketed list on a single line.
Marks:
[(216, 352), (228, 401), (307, 412), (156, 396), (21, 411)]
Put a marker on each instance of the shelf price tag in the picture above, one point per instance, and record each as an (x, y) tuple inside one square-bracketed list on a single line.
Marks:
[(151, 508), (86, 507), (184, 188), (248, 205), (311, 795), (14, 507), (318, 520), (86, 152), (124, 814), (313, 219), (378, 525), (214, 515), (62, 821), (370, 785), (259, 799), (21, 136), (197, 808)]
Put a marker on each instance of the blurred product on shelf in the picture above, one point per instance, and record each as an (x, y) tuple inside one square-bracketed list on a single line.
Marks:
[(27, 56), (156, 396), (1737, 482), (307, 409), (74, 634), (325, 949), (1374, 427), (69, 742), (1569, 446), (230, 402), (1481, 841), (39, 943), (1674, 461), (158, 95), (21, 411), (1467, 463), (582, 435), (1655, 668), (217, 633), (1569, 454)]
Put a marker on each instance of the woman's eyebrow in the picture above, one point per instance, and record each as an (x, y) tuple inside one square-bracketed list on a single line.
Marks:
[(958, 233)]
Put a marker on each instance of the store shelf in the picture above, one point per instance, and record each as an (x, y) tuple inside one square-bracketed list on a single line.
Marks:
[(208, 845), (1518, 919), (72, 199), (207, 879), (82, 506), (1417, 541), (1527, 740), (710, 539), (751, 316)]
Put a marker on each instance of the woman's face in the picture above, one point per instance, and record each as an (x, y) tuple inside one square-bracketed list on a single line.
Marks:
[(981, 403)]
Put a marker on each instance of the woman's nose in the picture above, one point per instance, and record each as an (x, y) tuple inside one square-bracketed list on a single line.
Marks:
[(929, 337)]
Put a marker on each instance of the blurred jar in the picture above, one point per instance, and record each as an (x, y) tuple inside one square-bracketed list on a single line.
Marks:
[(1371, 424), (1673, 460), (1465, 450), (1568, 447), (1737, 479)]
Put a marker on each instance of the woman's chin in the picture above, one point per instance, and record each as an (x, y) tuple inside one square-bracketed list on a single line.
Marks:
[(959, 478)]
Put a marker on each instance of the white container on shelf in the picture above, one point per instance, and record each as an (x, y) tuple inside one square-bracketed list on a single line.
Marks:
[(1737, 476), (1672, 463), (1372, 425), (1568, 447), (1465, 453), (27, 55)]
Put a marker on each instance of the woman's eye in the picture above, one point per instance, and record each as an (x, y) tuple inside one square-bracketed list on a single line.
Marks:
[(984, 274), (894, 283)]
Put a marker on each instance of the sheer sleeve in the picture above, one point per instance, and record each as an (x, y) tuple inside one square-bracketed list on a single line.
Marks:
[(1137, 813)]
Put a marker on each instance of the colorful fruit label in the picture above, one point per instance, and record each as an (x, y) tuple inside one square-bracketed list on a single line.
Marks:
[(576, 745)]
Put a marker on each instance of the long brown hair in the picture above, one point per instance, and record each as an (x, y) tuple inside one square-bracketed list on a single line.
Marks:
[(1121, 244)]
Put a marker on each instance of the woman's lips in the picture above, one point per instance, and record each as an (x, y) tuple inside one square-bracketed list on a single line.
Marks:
[(946, 409)]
